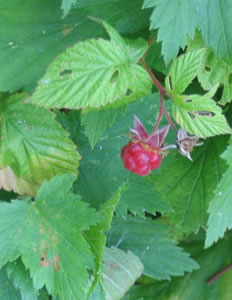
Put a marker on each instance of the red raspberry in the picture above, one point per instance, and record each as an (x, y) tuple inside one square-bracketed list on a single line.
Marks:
[(143, 153), (139, 159)]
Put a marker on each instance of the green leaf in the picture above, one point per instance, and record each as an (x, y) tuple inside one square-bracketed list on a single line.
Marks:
[(27, 49), (152, 291), (126, 16), (199, 115), (215, 23), (149, 240), (97, 121), (6, 196), (43, 147), (21, 279), (194, 285), (183, 70), (147, 291), (98, 293), (7, 289), (175, 20), (44, 295), (213, 70), (71, 122), (67, 6), (154, 58), (120, 272), (188, 186), (141, 196), (219, 210), (179, 19), (47, 234), (216, 71), (93, 73), (96, 235)]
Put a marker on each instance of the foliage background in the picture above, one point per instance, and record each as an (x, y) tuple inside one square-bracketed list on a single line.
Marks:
[(74, 224)]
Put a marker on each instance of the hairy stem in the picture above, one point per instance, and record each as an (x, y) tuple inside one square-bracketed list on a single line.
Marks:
[(220, 273)]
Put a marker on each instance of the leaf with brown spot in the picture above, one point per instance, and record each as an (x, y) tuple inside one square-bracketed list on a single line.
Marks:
[(67, 30), (120, 271), (56, 262), (42, 152), (10, 182), (44, 262), (199, 115), (103, 72), (46, 244)]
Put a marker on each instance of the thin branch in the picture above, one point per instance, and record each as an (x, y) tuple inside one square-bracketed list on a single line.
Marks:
[(154, 79), (149, 43), (160, 114), (161, 90), (169, 118), (219, 274)]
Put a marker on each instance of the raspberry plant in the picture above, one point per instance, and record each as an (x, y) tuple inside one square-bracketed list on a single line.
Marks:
[(115, 154)]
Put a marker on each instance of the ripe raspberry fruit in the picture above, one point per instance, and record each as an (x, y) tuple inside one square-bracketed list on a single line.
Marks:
[(144, 152), (139, 160)]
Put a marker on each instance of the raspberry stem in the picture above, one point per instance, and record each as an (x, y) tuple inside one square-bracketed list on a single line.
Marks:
[(161, 90), (153, 77), (220, 273)]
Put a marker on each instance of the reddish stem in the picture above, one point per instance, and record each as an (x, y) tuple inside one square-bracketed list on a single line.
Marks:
[(162, 112), (161, 90), (160, 116), (220, 273), (154, 79), (169, 118)]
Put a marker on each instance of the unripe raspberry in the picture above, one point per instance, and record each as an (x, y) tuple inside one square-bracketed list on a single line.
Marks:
[(139, 159)]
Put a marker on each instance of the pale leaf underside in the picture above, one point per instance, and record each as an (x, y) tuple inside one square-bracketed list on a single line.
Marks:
[(120, 271)]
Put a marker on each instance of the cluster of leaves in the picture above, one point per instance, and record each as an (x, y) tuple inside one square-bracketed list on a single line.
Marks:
[(74, 224)]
